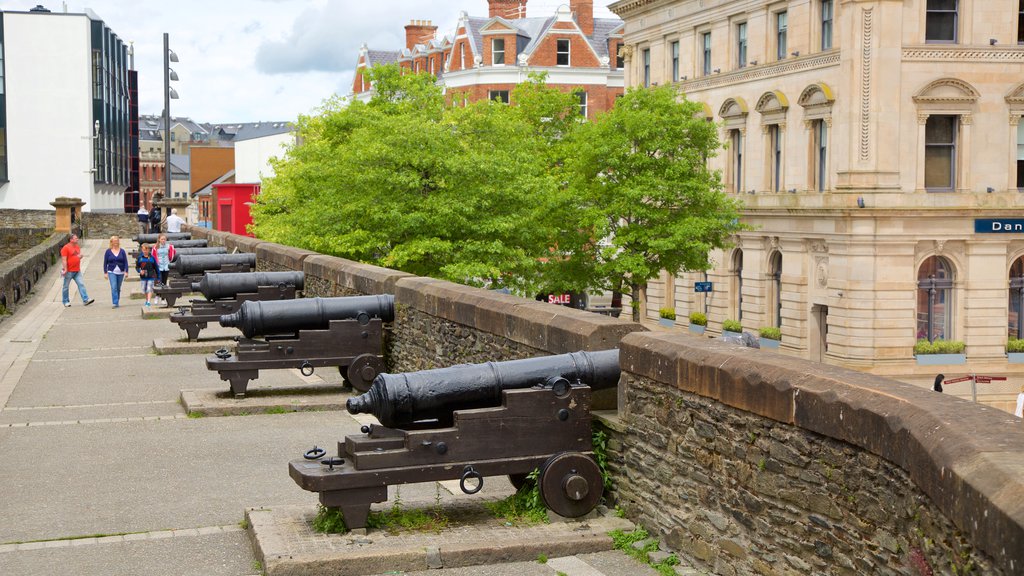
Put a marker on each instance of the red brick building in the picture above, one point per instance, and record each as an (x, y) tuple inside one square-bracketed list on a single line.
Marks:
[(487, 57)]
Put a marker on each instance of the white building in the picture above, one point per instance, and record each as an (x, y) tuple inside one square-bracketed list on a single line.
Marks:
[(255, 147), (64, 111)]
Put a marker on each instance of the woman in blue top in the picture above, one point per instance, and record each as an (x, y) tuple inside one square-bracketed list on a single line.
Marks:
[(115, 268)]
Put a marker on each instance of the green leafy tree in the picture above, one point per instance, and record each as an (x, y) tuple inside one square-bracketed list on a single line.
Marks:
[(640, 195)]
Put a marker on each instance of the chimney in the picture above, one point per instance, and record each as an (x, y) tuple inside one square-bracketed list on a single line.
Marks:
[(419, 32), (583, 10), (507, 9)]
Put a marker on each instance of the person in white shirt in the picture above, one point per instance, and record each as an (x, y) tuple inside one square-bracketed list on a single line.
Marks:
[(174, 221), (143, 216), (1019, 412)]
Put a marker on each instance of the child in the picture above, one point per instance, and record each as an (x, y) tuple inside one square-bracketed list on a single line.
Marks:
[(145, 265)]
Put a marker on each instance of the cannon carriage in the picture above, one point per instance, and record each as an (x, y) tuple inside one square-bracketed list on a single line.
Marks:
[(307, 333), (226, 292), (188, 269), (466, 423)]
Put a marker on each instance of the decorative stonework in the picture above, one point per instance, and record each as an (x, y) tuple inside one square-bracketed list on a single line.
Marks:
[(865, 85), (821, 272), (947, 91), (788, 66), (819, 247), (958, 54), (939, 246)]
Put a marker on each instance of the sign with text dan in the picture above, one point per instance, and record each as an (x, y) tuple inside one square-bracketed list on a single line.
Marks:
[(999, 226), (703, 286)]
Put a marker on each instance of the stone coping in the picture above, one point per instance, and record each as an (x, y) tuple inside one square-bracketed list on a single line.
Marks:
[(281, 255), (236, 243), (543, 326), (265, 400), (355, 276), (968, 459), (168, 346)]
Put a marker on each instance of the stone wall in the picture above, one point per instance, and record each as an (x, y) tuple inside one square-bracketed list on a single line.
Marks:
[(19, 275), (11, 218), (747, 462), (14, 241), (102, 225)]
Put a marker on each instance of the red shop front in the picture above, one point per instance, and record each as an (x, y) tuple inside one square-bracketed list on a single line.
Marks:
[(233, 202)]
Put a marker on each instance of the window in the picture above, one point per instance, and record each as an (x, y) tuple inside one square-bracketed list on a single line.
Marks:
[(647, 67), (781, 28), (582, 98), (462, 56), (820, 154), (1020, 23), (941, 21), (775, 137), (706, 43), (775, 270), (935, 299), (675, 61), (736, 141), (562, 52), (620, 60), (499, 95), (430, 65), (826, 24), (1015, 323), (1020, 156), (940, 153), (741, 45), (737, 283), (497, 51)]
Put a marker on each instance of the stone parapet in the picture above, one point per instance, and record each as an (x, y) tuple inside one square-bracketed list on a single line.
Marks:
[(19, 275), (333, 276), (13, 218), (102, 225), (272, 257)]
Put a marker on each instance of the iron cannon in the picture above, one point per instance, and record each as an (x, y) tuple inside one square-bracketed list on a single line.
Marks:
[(188, 269), (226, 292), (307, 333), (468, 422), (153, 238), (198, 251)]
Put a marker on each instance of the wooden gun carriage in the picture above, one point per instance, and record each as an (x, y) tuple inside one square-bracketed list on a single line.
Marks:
[(188, 269), (225, 293)]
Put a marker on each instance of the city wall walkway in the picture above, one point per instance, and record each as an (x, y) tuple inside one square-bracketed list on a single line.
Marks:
[(103, 472)]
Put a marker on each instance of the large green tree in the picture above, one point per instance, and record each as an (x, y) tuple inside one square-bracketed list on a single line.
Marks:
[(640, 196)]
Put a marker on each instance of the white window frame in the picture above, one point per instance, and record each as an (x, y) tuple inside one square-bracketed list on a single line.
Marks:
[(495, 52), (741, 45), (567, 52), (956, 24), (828, 21), (781, 34), (496, 95), (583, 102)]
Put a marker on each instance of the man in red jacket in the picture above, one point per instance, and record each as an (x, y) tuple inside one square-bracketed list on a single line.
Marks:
[(71, 269)]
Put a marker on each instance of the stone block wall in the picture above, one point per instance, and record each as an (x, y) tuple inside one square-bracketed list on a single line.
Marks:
[(101, 225), (19, 275), (11, 218), (14, 241)]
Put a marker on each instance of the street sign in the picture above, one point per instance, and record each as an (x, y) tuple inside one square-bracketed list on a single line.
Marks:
[(988, 379), (975, 380), (955, 380), (703, 287)]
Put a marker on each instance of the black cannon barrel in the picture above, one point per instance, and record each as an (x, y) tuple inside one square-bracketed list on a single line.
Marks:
[(230, 284), (152, 238), (399, 399), (288, 316), (186, 265), (199, 251), (179, 244)]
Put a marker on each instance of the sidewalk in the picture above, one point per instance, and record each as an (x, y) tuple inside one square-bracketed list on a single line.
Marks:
[(103, 473)]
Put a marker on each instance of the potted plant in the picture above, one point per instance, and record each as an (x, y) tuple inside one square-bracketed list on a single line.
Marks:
[(698, 322), (1015, 351), (939, 352), (667, 317), (733, 326), (771, 337)]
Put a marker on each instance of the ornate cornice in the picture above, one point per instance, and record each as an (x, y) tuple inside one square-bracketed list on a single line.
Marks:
[(749, 73), (962, 54)]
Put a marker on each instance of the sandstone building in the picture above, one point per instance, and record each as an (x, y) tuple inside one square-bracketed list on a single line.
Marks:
[(878, 149)]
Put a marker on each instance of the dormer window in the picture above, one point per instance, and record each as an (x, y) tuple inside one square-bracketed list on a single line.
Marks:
[(562, 52), (498, 51)]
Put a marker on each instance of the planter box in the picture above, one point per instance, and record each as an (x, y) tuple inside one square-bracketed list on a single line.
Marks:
[(666, 322), (770, 344), (726, 334), (698, 329), (1015, 357), (940, 359)]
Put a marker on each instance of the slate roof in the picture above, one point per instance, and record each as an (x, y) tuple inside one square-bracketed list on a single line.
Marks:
[(379, 57), (150, 128)]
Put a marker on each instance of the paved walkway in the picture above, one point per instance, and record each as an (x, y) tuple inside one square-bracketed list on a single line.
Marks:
[(103, 473)]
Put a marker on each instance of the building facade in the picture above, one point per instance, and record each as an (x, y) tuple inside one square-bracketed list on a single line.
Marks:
[(878, 150), (487, 57), (65, 113)]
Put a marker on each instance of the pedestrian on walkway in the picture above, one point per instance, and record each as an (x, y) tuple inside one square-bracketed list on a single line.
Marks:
[(155, 220), (164, 254), (937, 385), (71, 269), (143, 216), (145, 265), (115, 268), (174, 221), (1019, 412)]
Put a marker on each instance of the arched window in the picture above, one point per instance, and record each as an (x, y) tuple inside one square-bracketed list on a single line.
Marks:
[(935, 299), (775, 272), (737, 282), (1016, 325)]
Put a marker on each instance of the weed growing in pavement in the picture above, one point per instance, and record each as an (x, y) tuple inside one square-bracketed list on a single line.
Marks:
[(524, 508), (197, 414), (400, 519), (276, 410), (542, 558), (329, 521), (625, 541)]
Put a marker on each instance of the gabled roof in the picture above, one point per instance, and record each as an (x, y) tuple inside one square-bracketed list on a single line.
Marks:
[(228, 177), (381, 57)]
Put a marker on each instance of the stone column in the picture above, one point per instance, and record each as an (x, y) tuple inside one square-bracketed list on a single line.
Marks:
[(69, 214), (167, 204), (922, 121)]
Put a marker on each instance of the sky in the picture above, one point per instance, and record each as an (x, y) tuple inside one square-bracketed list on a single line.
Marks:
[(264, 60)]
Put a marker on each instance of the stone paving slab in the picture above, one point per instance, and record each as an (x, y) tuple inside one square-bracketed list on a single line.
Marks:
[(263, 399), (167, 346), (158, 313), (286, 545), (89, 412)]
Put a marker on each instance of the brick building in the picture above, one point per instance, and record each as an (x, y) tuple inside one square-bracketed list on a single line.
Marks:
[(487, 57)]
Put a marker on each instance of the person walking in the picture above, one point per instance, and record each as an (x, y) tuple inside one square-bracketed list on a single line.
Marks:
[(143, 216), (115, 268), (145, 265), (164, 254), (155, 220), (174, 221), (71, 269)]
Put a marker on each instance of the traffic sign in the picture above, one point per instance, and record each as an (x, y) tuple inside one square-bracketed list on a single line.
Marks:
[(703, 286)]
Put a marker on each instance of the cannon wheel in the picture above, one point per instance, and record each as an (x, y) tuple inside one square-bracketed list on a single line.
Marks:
[(363, 369), (570, 484)]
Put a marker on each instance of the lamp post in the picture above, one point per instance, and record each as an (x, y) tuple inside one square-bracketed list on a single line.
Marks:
[(169, 56)]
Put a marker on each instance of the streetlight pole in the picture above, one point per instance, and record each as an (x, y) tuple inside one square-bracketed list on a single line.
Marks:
[(169, 56)]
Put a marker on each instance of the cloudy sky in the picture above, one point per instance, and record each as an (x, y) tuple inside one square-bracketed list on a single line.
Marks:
[(249, 60)]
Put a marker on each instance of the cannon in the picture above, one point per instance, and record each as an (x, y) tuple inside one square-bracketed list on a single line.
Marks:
[(185, 247), (467, 422), (188, 269), (152, 238), (307, 333), (225, 293)]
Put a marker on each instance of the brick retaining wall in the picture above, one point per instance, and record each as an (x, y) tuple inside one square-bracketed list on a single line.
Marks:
[(746, 461)]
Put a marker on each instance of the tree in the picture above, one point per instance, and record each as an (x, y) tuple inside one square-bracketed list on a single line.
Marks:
[(641, 197)]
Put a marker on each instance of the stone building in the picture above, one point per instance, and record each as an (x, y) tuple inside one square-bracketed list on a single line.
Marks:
[(487, 57), (878, 150)]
